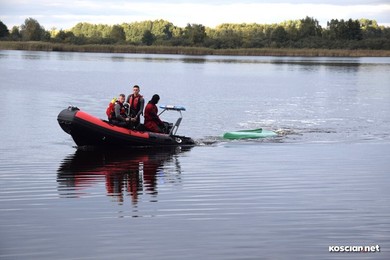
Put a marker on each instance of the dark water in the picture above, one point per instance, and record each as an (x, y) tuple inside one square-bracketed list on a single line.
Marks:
[(322, 182)]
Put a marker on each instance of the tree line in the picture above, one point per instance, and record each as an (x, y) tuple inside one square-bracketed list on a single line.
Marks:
[(302, 33)]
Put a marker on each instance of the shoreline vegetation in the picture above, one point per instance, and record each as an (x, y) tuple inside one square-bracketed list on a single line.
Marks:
[(184, 50), (304, 37)]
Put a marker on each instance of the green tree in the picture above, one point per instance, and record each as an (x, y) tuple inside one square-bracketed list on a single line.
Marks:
[(65, 37), (292, 29), (135, 31), (334, 29), (3, 30), (60, 36), (227, 37), (354, 32), (279, 35), (344, 30), (88, 30), (309, 27), (148, 38), (253, 36), (303, 33), (177, 37), (366, 24), (117, 33), (15, 34), (162, 29), (104, 30), (370, 29), (31, 30), (195, 34), (77, 30)]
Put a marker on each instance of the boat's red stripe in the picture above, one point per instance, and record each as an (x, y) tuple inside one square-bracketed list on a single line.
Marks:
[(96, 121)]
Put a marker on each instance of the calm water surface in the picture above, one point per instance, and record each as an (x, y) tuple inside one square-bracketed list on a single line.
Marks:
[(323, 181)]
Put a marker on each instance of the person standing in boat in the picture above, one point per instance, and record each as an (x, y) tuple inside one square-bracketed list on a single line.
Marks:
[(119, 116), (136, 103), (152, 121)]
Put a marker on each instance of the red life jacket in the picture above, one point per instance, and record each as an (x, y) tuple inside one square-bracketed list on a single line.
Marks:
[(110, 108), (110, 111), (134, 102)]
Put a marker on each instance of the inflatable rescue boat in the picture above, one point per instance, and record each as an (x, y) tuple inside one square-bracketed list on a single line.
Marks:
[(87, 130)]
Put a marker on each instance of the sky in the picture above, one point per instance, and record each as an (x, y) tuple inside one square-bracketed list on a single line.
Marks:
[(64, 14)]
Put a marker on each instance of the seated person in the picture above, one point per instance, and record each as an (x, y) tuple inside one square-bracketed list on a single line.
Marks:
[(118, 114), (152, 121)]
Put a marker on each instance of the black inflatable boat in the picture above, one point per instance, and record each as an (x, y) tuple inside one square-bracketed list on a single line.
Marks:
[(87, 130)]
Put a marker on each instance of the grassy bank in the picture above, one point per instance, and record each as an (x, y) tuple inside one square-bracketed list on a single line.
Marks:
[(46, 46)]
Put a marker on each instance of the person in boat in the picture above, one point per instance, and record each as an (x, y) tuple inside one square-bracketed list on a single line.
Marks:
[(119, 116), (136, 103), (153, 122)]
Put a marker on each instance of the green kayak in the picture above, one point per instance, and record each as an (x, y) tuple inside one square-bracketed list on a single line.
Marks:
[(249, 134)]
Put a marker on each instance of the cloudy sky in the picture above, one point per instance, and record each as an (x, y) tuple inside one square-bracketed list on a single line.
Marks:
[(64, 14)]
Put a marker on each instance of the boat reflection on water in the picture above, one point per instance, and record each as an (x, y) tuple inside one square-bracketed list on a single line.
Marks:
[(124, 172)]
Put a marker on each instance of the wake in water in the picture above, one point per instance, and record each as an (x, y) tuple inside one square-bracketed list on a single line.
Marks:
[(284, 135), (209, 141), (215, 140)]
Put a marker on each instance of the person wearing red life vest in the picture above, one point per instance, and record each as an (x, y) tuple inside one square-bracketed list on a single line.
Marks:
[(118, 115), (152, 121), (136, 103)]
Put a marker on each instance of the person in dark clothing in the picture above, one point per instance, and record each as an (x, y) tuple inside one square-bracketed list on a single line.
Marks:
[(152, 121), (119, 116), (136, 103)]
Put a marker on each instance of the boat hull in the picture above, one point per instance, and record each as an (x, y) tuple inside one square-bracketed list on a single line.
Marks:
[(87, 130)]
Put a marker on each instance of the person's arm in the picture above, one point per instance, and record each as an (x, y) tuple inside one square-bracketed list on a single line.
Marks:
[(118, 115), (141, 107)]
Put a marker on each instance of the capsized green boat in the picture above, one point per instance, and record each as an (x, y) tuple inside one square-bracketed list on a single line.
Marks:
[(249, 134)]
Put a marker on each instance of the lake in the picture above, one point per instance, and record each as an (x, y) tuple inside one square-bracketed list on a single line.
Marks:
[(322, 183)]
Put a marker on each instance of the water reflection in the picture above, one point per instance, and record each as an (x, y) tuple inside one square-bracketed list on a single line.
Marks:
[(159, 58), (302, 61), (33, 55), (125, 173)]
